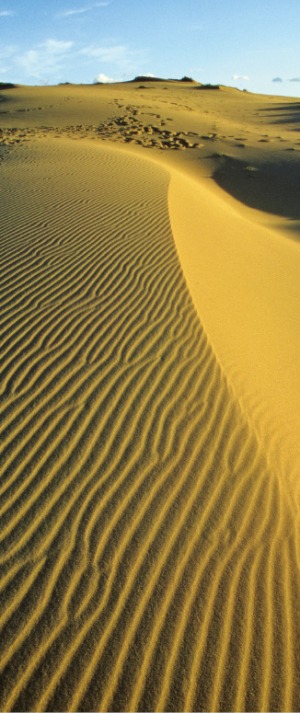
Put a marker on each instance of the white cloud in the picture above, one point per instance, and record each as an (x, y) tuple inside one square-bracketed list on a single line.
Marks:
[(277, 79), (295, 79), (104, 79), (7, 13), (240, 77)]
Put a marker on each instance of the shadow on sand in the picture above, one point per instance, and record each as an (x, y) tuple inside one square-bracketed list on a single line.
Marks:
[(270, 187), (284, 114)]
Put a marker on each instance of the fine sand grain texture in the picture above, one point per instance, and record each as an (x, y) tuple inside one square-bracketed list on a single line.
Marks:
[(149, 492)]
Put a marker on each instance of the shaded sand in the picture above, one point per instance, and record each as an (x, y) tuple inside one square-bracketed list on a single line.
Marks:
[(149, 550)]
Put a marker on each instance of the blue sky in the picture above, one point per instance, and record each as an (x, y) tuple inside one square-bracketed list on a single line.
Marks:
[(251, 44)]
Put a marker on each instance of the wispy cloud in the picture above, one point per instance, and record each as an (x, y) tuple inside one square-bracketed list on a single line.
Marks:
[(46, 58), (240, 77), (7, 51), (7, 13), (279, 79), (115, 53), (82, 10), (56, 47), (69, 13), (122, 60), (53, 60)]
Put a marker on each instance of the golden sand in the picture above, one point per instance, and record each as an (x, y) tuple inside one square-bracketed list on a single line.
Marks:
[(150, 399)]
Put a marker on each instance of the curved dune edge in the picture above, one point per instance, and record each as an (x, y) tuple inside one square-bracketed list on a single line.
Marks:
[(244, 280), (148, 551)]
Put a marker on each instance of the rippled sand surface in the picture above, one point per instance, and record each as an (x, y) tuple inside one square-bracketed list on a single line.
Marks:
[(149, 491)]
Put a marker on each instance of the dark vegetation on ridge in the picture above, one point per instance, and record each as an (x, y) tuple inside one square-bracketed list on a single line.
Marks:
[(7, 85), (143, 78)]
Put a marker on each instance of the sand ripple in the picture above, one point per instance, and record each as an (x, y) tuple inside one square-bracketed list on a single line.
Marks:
[(147, 553)]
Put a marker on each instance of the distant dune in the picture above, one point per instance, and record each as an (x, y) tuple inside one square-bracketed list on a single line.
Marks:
[(150, 349)]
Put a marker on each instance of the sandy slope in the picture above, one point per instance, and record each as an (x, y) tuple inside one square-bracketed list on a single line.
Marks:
[(149, 400), (244, 279)]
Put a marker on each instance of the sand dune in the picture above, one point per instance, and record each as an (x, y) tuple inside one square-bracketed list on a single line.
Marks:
[(255, 330), (149, 549)]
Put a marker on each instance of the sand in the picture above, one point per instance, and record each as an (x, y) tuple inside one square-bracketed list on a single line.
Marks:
[(150, 400)]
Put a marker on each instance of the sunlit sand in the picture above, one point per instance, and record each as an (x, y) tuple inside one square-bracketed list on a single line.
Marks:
[(150, 399)]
